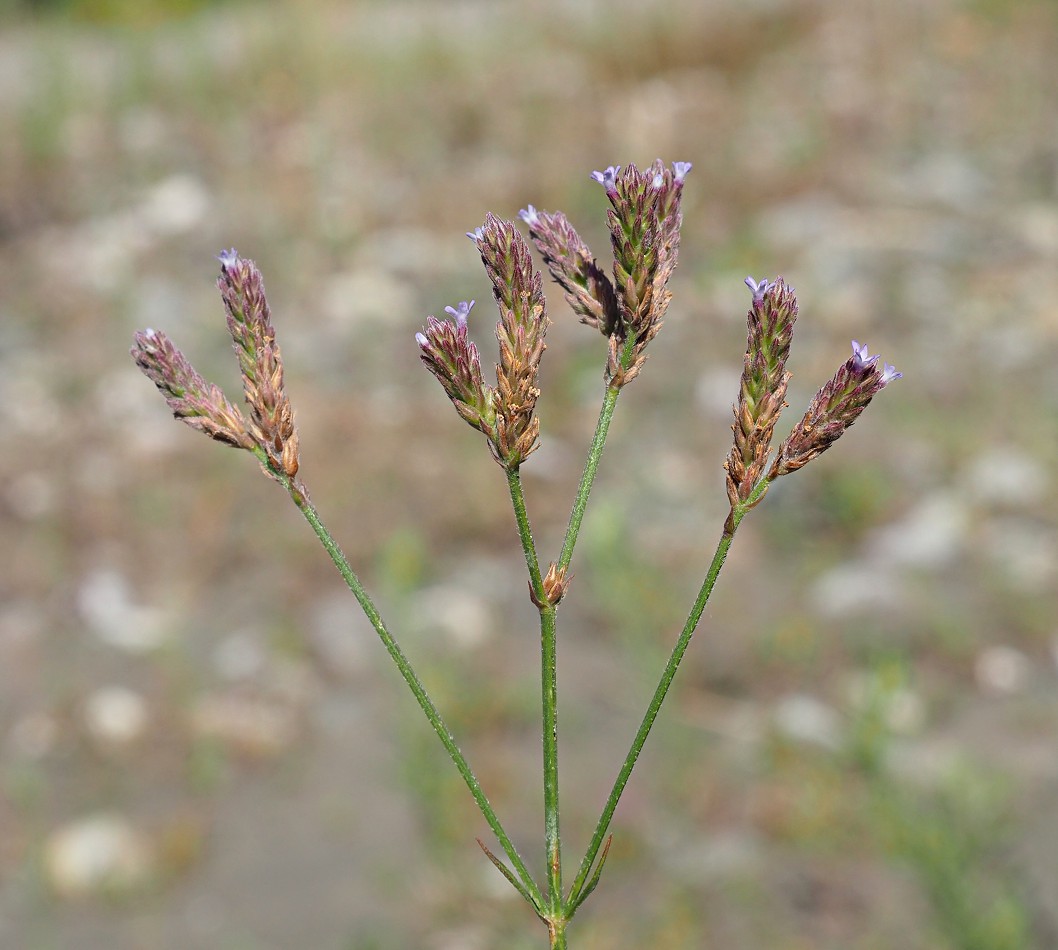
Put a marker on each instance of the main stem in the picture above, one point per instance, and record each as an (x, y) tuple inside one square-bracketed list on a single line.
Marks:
[(667, 676), (549, 712), (529, 889)]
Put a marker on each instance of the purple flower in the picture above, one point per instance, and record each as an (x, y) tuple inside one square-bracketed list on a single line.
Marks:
[(529, 215), (680, 170), (461, 312), (607, 178), (477, 235), (889, 373), (228, 258), (758, 288), (860, 355)]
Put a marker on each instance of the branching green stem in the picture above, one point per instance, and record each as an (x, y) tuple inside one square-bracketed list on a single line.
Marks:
[(577, 892), (532, 891)]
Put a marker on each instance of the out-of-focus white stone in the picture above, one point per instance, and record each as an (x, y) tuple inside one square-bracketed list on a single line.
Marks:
[(174, 205), (116, 717), (251, 727), (1037, 225), (239, 656), (414, 252), (804, 718), (930, 535), (1002, 670), (1024, 551), (99, 855), (708, 858), (1006, 476), (341, 636), (105, 603), (458, 613), (855, 587), (357, 298)]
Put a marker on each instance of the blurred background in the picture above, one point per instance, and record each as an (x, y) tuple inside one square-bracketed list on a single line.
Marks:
[(202, 743)]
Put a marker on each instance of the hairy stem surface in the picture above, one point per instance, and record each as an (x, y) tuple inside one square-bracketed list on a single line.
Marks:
[(528, 889), (576, 894), (548, 702)]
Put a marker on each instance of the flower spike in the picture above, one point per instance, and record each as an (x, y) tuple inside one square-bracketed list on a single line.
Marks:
[(269, 431), (504, 414), (762, 393), (448, 353), (833, 409)]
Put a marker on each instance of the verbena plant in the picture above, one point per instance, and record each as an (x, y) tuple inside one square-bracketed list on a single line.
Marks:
[(644, 221)]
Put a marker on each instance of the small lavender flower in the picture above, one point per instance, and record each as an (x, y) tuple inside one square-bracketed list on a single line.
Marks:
[(476, 235), (833, 409), (607, 178), (680, 170), (461, 312), (530, 216), (758, 288), (228, 258), (889, 373), (861, 356)]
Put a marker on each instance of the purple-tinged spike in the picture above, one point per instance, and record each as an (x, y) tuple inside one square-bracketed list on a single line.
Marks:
[(228, 258), (889, 373), (758, 288), (680, 169), (607, 178), (530, 216), (860, 355)]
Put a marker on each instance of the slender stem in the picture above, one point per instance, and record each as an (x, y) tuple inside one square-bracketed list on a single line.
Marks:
[(525, 532), (660, 693), (602, 427), (419, 691), (548, 703), (549, 706), (576, 516)]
